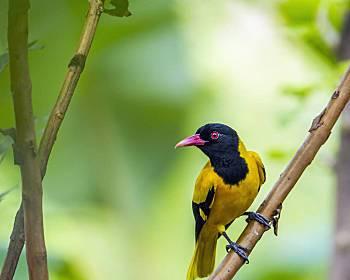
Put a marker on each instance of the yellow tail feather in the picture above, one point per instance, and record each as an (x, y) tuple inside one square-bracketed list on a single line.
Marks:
[(203, 260)]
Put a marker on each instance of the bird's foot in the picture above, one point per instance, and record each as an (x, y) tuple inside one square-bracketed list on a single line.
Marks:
[(259, 218), (239, 250)]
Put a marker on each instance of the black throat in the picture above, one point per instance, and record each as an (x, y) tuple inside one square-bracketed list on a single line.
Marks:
[(232, 168)]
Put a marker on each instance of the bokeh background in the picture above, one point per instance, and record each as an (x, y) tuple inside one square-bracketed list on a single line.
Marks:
[(117, 195)]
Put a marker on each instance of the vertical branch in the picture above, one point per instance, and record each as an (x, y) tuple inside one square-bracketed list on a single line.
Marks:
[(26, 150), (340, 268), (75, 68), (343, 49), (15, 247)]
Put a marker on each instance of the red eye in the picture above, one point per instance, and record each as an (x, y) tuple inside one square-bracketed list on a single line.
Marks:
[(214, 135)]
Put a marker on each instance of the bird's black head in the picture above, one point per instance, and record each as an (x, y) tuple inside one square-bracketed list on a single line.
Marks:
[(217, 141), (220, 143)]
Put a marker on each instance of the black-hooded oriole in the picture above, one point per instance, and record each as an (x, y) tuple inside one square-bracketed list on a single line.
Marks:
[(225, 188)]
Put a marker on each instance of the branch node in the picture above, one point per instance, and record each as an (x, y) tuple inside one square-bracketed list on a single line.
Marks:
[(317, 121), (78, 61), (336, 94), (59, 115), (100, 9)]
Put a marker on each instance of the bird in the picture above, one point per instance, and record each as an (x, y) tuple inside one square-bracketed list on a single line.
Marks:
[(225, 188)]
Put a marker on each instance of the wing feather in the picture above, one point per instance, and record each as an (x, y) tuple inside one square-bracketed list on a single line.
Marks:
[(261, 168), (201, 210)]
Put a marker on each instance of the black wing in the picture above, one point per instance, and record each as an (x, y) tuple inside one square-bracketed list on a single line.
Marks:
[(201, 211)]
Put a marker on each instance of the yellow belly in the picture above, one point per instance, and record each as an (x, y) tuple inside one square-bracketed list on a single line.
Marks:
[(231, 201)]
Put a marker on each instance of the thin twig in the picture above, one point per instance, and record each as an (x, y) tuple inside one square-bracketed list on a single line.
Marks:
[(25, 144), (319, 132), (15, 247), (75, 68)]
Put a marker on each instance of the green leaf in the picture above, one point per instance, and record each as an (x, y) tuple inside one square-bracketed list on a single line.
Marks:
[(317, 35), (298, 12), (299, 92), (277, 154), (121, 8)]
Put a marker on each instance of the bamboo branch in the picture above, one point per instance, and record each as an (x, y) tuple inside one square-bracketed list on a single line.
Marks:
[(75, 68), (319, 132), (25, 144)]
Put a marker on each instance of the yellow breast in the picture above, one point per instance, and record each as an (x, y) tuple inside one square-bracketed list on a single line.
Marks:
[(230, 201)]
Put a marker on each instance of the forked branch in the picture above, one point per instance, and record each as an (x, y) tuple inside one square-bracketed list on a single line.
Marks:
[(75, 68)]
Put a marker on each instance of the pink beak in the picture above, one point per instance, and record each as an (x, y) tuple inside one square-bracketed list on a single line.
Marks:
[(194, 140)]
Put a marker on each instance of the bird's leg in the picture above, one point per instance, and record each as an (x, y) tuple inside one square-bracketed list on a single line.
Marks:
[(239, 250), (259, 218)]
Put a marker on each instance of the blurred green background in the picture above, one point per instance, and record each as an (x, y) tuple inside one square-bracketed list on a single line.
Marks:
[(117, 195)]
